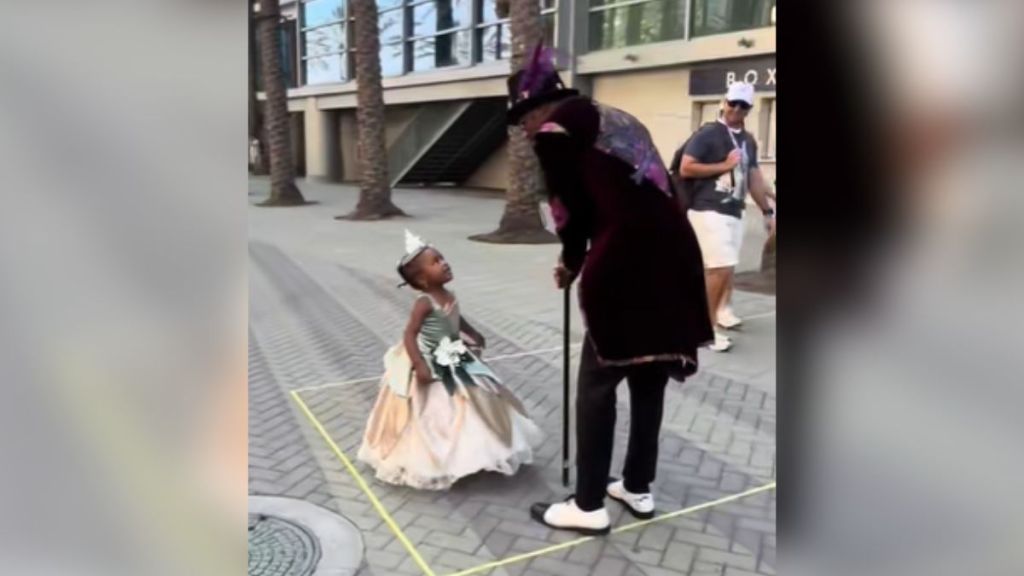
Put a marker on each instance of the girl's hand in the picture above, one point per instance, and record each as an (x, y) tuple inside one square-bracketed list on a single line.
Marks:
[(423, 375)]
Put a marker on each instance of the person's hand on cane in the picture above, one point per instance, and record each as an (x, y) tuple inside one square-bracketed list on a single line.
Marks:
[(563, 276)]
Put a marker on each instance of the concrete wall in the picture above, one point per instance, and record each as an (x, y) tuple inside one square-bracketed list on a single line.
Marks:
[(298, 142), (493, 173), (321, 142), (658, 98), (396, 119), (348, 145)]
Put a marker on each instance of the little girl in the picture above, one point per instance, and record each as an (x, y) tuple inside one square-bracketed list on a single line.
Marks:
[(441, 413)]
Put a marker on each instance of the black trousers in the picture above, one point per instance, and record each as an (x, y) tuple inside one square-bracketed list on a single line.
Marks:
[(595, 425)]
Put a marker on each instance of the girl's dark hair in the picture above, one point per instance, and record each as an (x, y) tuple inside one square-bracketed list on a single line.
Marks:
[(408, 271), (407, 277)]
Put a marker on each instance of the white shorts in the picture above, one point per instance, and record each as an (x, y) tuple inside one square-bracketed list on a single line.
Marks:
[(720, 237)]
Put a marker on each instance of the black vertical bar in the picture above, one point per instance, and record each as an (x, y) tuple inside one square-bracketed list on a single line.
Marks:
[(565, 388)]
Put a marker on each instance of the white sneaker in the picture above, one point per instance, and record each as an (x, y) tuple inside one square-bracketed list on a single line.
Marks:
[(728, 320), (639, 505), (722, 343), (568, 516)]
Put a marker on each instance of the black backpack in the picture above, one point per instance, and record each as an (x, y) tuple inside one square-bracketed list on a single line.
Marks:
[(683, 186)]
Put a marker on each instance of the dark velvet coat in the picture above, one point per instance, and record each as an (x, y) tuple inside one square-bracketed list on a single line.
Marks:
[(641, 288)]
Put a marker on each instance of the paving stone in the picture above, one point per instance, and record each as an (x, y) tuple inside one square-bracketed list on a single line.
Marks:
[(587, 553), (701, 539), (383, 560), (744, 561), (467, 543), (679, 556), (732, 571), (610, 567), (457, 560), (708, 569), (655, 537), (499, 543), (561, 568)]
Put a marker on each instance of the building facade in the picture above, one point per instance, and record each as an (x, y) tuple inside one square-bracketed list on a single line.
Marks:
[(445, 64)]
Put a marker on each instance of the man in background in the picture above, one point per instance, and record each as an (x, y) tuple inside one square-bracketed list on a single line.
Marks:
[(718, 168)]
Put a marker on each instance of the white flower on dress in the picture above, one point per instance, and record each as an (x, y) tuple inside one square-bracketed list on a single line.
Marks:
[(449, 352)]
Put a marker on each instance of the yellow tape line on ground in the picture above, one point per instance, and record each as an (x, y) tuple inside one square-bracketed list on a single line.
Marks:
[(619, 530), (512, 559), (365, 487)]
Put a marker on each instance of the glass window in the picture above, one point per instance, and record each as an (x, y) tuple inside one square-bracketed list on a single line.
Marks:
[(548, 22), (289, 45), (616, 25), (391, 26), (496, 42), (326, 69), (495, 39), (440, 51), (320, 12), (392, 61), (488, 13), (719, 16), (326, 40), (439, 16)]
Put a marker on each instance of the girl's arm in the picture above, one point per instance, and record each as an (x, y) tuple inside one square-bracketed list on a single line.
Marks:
[(420, 310), (468, 328)]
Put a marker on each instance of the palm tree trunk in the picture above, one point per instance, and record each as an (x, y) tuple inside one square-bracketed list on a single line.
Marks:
[(521, 222), (374, 187), (283, 191)]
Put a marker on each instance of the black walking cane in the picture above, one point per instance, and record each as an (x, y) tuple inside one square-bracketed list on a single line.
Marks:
[(565, 388)]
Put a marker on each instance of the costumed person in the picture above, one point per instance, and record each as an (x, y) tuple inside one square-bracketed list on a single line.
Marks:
[(641, 289), (442, 414)]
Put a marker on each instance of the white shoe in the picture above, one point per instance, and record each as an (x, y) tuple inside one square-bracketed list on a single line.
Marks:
[(728, 320), (568, 516), (639, 505), (722, 343)]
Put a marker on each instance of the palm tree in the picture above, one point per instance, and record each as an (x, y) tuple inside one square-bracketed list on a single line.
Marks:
[(374, 188), (283, 191), (521, 222)]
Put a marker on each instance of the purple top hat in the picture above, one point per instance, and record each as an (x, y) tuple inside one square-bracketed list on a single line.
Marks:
[(536, 84)]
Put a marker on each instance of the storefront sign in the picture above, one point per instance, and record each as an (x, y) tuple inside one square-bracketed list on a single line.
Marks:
[(712, 80)]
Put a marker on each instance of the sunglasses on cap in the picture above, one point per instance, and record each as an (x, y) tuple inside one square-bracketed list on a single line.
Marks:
[(739, 104)]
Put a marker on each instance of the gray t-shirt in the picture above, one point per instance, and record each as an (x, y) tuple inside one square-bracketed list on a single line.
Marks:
[(725, 193)]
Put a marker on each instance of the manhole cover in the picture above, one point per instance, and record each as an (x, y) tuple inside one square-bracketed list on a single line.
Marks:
[(278, 547)]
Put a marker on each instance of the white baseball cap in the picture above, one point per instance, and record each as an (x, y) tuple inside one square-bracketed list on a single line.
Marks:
[(741, 91)]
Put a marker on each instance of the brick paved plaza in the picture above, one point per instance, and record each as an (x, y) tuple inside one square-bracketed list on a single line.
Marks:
[(323, 309)]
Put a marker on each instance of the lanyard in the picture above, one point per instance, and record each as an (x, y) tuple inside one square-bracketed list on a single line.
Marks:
[(732, 137)]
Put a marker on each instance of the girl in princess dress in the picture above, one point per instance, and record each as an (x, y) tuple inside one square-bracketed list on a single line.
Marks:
[(442, 414)]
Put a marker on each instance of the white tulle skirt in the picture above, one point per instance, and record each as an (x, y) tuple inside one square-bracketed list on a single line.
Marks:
[(432, 438)]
